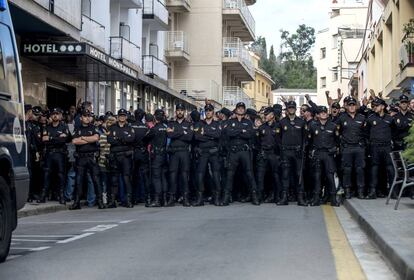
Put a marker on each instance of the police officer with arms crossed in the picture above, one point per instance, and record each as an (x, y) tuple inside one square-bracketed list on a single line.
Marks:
[(268, 156), (86, 138), (121, 136), (180, 132), (323, 138), (54, 137), (239, 132), (403, 121), (293, 133), (207, 134)]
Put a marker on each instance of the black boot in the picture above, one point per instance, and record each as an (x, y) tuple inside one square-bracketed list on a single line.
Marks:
[(372, 194), (61, 197), (199, 200), (111, 203), (226, 199), (156, 202), (76, 204), (164, 199), (171, 200), (255, 198), (283, 199), (100, 203), (334, 201), (348, 194), (270, 198), (42, 198), (186, 200), (148, 200), (216, 199), (360, 194), (315, 200), (301, 199), (128, 202)]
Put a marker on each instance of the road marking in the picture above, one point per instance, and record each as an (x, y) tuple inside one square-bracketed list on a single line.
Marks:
[(77, 237), (40, 236), (68, 222), (12, 257), (34, 240), (125, 222), (38, 249), (100, 228), (346, 263)]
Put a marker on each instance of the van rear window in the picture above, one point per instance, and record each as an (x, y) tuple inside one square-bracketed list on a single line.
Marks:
[(8, 64)]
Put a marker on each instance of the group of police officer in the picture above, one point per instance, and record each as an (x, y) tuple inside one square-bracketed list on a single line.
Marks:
[(279, 157)]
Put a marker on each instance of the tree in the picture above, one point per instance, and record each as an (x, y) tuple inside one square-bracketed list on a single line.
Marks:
[(408, 153), (298, 44), (259, 47)]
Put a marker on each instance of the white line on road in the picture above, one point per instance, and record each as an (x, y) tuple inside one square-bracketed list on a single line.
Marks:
[(11, 257), (100, 228), (40, 236), (34, 240), (31, 249), (68, 222), (125, 222), (77, 237)]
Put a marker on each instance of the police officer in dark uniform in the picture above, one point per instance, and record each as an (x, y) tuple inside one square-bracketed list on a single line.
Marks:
[(268, 155), (403, 121), (207, 134), (239, 132), (292, 133), (32, 132), (380, 127), (86, 138), (121, 137), (54, 137), (180, 132), (157, 137), (141, 155), (323, 138), (351, 127)]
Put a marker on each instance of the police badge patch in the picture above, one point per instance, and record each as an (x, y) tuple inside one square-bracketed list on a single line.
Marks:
[(374, 123)]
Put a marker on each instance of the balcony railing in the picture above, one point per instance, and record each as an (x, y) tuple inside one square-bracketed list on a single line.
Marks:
[(155, 67), (244, 11), (233, 95), (156, 8), (179, 5), (121, 48), (199, 89), (407, 54), (93, 32), (69, 11), (233, 48), (176, 41)]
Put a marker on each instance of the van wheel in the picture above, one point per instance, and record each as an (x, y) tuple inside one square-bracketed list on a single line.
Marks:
[(5, 220)]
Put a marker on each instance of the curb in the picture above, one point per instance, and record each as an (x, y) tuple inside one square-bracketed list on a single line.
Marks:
[(41, 210), (401, 259)]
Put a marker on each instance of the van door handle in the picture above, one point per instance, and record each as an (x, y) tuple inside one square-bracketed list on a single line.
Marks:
[(5, 96)]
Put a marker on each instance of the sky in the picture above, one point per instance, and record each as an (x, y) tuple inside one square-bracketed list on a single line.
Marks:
[(273, 15)]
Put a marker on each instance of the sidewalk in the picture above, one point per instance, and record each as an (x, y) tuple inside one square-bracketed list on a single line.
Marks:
[(391, 230), (31, 209)]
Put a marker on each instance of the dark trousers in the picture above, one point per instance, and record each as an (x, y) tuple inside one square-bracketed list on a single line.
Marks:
[(353, 157), (323, 164), (158, 166), (123, 164), (244, 159), (179, 168), (380, 156), (292, 161), (54, 161), (204, 159), (265, 160), (83, 165), (141, 166)]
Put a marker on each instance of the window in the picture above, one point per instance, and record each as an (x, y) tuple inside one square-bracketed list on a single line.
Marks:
[(258, 86), (335, 39), (323, 82), (9, 84), (263, 89), (323, 53), (335, 74)]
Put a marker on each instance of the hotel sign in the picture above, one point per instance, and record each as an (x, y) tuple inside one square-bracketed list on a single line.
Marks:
[(76, 49)]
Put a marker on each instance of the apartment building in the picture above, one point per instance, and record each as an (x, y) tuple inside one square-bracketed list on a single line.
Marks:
[(339, 47), (297, 95), (387, 64), (260, 90), (110, 52), (206, 49)]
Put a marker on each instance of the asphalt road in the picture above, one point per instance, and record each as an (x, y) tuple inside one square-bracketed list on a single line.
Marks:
[(237, 242)]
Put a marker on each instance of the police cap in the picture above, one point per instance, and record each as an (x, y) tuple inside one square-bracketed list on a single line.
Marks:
[(122, 112)]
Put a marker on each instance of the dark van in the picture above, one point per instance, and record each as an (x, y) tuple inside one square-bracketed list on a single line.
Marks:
[(14, 175)]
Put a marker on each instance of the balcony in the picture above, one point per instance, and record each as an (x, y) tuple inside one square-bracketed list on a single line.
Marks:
[(155, 67), (233, 95), (179, 6), (199, 89), (406, 75), (237, 59), (155, 14), (93, 32), (176, 46), (69, 11), (128, 52), (239, 20), (250, 2), (130, 4)]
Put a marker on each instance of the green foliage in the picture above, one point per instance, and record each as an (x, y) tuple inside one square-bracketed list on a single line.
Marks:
[(408, 153), (293, 67)]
